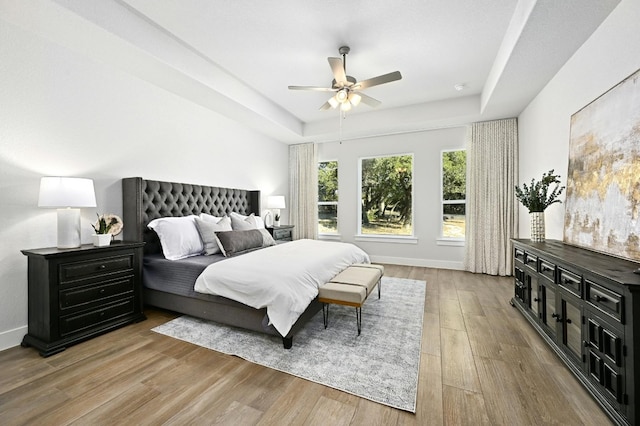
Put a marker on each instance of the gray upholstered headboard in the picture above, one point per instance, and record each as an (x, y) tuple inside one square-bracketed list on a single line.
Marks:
[(145, 200)]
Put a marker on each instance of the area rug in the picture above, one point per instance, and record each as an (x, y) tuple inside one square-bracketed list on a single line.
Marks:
[(381, 364)]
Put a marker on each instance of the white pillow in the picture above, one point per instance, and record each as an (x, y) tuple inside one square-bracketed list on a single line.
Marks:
[(210, 218), (244, 223), (208, 228), (179, 236)]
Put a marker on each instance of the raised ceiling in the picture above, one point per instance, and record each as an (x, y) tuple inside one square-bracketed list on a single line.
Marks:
[(237, 57)]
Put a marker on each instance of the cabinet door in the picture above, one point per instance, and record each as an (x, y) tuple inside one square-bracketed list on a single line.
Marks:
[(533, 290), (570, 320), (547, 303)]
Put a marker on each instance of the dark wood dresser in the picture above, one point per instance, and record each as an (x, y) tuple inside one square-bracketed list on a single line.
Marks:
[(76, 294), (586, 306)]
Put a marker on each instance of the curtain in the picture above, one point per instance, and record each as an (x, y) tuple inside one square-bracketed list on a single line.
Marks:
[(492, 210), (303, 190)]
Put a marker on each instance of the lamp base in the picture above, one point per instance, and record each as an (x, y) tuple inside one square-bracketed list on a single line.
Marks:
[(68, 228)]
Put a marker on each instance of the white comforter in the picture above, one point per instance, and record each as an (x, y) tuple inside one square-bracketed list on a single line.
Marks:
[(283, 278)]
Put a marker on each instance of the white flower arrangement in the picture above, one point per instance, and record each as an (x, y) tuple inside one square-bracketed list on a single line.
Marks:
[(108, 224)]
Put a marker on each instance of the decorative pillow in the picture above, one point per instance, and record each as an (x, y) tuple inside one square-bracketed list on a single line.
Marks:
[(208, 228), (179, 236), (233, 243), (243, 223)]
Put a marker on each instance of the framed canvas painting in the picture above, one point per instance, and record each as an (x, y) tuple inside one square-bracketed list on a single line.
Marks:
[(602, 206)]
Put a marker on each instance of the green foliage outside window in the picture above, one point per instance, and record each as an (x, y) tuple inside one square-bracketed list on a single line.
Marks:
[(387, 185), (328, 197)]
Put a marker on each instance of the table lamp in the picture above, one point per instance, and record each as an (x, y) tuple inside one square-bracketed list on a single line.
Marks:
[(276, 202), (67, 194)]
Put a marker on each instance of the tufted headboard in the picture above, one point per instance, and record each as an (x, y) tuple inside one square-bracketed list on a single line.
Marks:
[(145, 200)]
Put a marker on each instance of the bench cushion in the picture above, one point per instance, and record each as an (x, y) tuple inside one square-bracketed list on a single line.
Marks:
[(336, 292), (359, 276)]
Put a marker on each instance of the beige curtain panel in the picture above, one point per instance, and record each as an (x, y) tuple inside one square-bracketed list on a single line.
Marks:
[(303, 188), (492, 210)]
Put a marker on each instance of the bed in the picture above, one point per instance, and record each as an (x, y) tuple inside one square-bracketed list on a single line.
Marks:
[(169, 284)]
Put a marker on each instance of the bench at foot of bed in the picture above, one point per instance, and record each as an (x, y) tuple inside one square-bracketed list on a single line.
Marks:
[(351, 287)]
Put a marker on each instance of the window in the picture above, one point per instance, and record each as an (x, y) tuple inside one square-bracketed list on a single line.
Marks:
[(386, 188), (328, 197), (454, 194)]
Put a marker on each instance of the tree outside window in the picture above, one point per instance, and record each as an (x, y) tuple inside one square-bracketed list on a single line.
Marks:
[(454, 193), (386, 191), (328, 197)]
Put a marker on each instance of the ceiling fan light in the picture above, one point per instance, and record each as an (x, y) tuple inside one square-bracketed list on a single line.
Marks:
[(346, 106), (355, 99), (333, 102), (342, 95)]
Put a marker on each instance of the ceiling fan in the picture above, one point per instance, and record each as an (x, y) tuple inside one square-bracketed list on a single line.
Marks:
[(347, 88)]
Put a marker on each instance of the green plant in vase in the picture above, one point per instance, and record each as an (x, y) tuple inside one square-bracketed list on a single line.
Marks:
[(536, 198)]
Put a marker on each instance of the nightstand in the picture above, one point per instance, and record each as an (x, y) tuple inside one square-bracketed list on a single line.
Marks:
[(282, 232), (76, 294)]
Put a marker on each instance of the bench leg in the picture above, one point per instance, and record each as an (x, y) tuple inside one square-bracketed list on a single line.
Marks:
[(359, 319), (325, 314), (379, 286)]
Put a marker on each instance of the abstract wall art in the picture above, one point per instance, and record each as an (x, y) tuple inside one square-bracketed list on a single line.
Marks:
[(602, 206)]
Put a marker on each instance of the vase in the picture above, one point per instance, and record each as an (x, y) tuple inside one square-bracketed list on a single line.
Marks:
[(537, 226), (101, 240)]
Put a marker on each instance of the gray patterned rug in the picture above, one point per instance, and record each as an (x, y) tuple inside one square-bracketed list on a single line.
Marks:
[(380, 365)]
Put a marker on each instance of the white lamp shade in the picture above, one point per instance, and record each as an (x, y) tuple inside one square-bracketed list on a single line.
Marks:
[(66, 192), (276, 202)]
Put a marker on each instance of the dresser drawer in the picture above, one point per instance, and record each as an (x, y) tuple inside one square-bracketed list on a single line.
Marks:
[(570, 281), (96, 293), (95, 267), (547, 269), (518, 254), (91, 319), (531, 260), (605, 300)]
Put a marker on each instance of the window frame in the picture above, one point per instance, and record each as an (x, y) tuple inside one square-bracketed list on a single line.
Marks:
[(411, 239), (329, 203), (442, 239)]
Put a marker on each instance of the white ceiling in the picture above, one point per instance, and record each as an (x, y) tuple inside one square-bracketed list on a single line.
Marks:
[(237, 57)]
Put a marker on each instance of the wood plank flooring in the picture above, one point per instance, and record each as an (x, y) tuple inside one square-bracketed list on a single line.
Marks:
[(481, 363)]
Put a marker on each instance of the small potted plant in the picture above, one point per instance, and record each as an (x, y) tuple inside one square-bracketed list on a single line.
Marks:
[(276, 219), (107, 226), (536, 198)]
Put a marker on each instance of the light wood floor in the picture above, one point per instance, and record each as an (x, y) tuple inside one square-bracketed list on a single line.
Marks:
[(481, 363)]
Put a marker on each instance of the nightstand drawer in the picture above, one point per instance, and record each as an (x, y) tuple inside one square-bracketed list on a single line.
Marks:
[(95, 267), (90, 319), (283, 234), (96, 293)]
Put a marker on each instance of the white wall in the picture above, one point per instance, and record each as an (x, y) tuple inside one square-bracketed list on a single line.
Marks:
[(64, 114), (426, 147), (610, 55)]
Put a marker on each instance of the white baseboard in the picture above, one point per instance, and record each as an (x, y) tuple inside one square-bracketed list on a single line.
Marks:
[(425, 263), (11, 338)]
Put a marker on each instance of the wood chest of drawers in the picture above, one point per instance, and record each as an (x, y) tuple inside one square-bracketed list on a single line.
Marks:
[(76, 294)]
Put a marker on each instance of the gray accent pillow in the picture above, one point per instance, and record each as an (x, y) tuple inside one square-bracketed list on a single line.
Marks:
[(207, 229), (233, 243)]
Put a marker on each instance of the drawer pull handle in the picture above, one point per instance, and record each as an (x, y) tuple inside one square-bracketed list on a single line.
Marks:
[(103, 266), (101, 290), (568, 321), (557, 317), (545, 268), (535, 299), (600, 298)]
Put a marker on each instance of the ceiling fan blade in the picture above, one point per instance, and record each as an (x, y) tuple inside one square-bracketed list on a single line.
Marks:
[(369, 100), (381, 79), (325, 106), (317, 89), (338, 70)]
